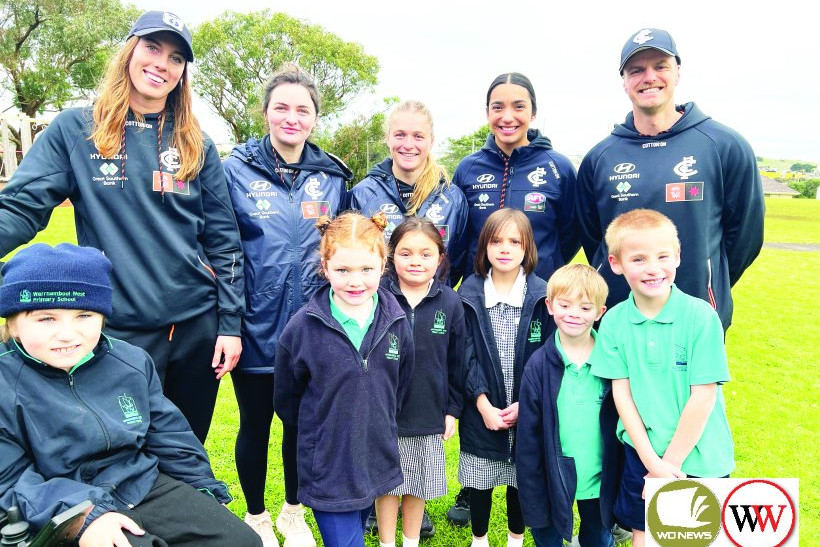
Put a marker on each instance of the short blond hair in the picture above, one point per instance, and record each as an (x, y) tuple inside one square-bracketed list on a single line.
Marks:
[(637, 220), (578, 280)]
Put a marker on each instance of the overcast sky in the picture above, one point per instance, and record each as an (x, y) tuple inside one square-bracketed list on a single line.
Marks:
[(755, 69)]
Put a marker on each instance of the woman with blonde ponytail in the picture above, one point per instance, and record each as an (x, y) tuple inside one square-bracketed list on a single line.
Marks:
[(411, 183), (148, 190)]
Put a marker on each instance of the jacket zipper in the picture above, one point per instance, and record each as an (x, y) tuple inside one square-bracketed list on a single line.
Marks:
[(363, 360), (88, 408)]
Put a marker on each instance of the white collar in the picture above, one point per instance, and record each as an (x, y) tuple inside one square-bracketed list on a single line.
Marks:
[(515, 297)]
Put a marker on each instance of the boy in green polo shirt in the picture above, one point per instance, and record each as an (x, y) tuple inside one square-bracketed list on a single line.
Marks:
[(566, 444), (664, 352)]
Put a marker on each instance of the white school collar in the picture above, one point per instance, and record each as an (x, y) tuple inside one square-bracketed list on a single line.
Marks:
[(514, 298)]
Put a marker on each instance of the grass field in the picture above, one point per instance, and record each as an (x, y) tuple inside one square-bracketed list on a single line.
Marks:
[(772, 400)]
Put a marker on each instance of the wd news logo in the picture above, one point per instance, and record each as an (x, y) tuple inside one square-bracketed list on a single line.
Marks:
[(722, 512)]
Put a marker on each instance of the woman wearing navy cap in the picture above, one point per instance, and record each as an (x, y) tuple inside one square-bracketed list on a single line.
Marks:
[(149, 191)]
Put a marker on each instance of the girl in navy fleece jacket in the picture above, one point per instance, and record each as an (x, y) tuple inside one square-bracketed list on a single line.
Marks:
[(343, 365), (433, 401)]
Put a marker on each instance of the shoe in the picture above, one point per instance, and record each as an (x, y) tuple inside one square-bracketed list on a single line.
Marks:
[(291, 524), (427, 528), (262, 525), (459, 513), (372, 525), (620, 535)]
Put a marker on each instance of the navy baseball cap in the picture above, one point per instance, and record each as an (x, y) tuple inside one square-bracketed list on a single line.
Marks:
[(648, 38), (158, 21)]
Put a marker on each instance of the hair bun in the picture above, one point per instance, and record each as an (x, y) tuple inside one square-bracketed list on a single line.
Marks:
[(380, 220), (323, 223)]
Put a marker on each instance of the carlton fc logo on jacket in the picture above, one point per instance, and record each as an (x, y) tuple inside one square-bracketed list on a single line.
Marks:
[(685, 190)]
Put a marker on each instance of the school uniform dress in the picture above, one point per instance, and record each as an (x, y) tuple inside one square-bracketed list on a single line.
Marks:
[(437, 323), (486, 458)]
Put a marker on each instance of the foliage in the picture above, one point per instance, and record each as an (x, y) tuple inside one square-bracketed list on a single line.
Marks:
[(236, 53), (359, 143), (53, 52), (807, 188), (459, 148), (804, 167)]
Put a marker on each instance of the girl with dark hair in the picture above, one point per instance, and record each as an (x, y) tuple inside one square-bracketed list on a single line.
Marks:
[(433, 402), (149, 191), (279, 186)]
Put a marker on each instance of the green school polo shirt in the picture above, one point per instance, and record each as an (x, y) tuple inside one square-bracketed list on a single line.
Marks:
[(662, 357), (579, 426), (351, 327)]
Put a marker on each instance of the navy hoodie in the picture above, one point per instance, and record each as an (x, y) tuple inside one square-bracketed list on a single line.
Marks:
[(102, 432), (344, 402), (700, 174), (535, 179), (445, 207), (437, 323), (277, 216), (483, 367), (176, 254), (548, 492)]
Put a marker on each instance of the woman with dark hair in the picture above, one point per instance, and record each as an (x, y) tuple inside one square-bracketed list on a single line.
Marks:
[(279, 186), (517, 168), (149, 191)]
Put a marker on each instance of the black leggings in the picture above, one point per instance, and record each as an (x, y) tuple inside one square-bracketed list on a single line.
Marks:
[(481, 501), (254, 394)]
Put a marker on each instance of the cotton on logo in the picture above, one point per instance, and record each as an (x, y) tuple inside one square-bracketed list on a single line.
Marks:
[(758, 513)]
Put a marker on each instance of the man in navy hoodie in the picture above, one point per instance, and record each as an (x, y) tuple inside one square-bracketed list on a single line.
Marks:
[(677, 160)]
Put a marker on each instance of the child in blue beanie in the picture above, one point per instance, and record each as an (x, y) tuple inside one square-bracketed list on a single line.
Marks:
[(84, 417)]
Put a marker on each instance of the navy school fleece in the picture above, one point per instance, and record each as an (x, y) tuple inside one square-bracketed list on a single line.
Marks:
[(344, 402)]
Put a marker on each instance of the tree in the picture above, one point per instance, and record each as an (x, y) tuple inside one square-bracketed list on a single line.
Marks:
[(53, 52), (236, 53), (459, 148), (806, 167), (360, 143), (807, 188)]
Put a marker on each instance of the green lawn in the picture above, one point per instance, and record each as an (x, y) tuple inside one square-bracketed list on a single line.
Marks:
[(771, 401)]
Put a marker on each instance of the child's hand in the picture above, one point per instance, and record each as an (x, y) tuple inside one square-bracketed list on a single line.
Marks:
[(106, 531), (490, 414), (662, 469), (449, 427), (510, 415)]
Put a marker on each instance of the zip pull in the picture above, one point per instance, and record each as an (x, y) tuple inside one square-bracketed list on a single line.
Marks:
[(364, 363), (71, 380)]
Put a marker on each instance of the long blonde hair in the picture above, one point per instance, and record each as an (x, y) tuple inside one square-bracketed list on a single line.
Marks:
[(111, 112), (433, 172)]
